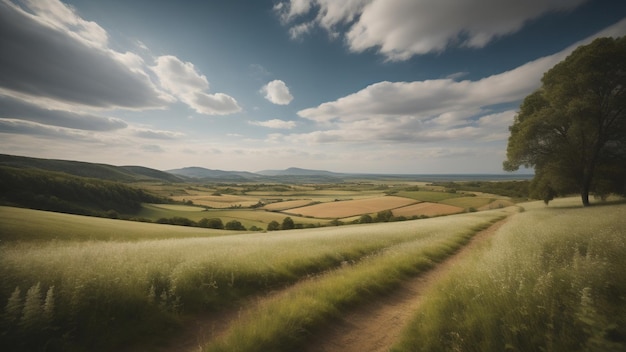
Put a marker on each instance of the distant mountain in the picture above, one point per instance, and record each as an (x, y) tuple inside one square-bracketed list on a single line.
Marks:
[(203, 173), (91, 170), (294, 171)]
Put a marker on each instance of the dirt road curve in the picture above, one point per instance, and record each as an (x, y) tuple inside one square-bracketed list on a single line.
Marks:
[(373, 327), (377, 326)]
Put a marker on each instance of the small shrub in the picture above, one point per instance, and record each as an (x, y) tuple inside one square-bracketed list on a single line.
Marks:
[(234, 225), (273, 226)]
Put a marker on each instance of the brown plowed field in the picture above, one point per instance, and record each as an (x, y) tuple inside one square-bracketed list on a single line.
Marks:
[(427, 209), (346, 208)]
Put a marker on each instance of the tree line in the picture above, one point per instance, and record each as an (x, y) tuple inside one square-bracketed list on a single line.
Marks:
[(56, 191), (513, 189)]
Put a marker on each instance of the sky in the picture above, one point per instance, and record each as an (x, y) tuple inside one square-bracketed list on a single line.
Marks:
[(359, 86)]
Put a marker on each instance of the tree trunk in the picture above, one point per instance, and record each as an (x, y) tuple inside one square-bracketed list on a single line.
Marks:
[(585, 197), (584, 191)]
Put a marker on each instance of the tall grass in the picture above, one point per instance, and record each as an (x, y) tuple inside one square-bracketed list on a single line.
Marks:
[(103, 294), (552, 280), (283, 322)]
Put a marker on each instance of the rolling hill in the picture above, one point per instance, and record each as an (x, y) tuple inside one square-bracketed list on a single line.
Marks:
[(90, 170)]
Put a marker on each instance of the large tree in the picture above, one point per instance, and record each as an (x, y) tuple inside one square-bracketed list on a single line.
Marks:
[(572, 130)]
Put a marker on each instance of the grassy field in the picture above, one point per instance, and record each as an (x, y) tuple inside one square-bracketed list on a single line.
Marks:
[(551, 280), (279, 206), (101, 294), (284, 322), (429, 196), (468, 202), (17, 224), (427, 209), (347, 208)]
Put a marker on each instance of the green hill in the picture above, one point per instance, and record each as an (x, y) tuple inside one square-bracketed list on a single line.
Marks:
[(58, 191), (91, 170)]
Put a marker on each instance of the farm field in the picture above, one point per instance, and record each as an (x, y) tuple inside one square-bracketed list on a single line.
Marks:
[(288, 204), (248, 217), (218, 201), (347, 208), (427, 209), (319, 205)]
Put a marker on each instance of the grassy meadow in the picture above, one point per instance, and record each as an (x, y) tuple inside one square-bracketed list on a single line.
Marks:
[(284, 322), (98, 294), (552, 279)]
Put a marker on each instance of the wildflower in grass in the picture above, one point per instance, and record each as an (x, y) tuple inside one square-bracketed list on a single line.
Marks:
[(13, 308), (31, 316), (48, 306)]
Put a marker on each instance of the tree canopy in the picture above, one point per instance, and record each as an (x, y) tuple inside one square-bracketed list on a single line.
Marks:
[(572, 130)]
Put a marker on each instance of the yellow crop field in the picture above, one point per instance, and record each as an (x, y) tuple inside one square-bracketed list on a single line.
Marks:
[(343, 209), (219, 201), (427, 209)]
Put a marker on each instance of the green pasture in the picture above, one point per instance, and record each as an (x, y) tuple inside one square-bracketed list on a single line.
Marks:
[(552, 279), (468, 202), (319, 195), (17, 224), (429, 196)]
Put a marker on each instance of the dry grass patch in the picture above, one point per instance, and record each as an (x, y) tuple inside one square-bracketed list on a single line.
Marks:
[(344, 209), (221, 201), (499, 203), (427, 209)]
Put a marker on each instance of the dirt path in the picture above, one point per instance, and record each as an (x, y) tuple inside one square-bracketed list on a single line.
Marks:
[(377, 326), (373, 327)]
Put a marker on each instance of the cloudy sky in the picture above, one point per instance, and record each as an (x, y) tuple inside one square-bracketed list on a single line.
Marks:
[(372, 86)]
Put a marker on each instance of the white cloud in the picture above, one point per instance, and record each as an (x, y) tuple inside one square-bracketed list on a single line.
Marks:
[(187, 84), (433, 110), (277, 92), (21, 127), (15, 108), (53, 57), (63, 17), (156, 134), (275, 123), (179, 77), (51, 53), (400, 29), (292, 9), (152, 148)]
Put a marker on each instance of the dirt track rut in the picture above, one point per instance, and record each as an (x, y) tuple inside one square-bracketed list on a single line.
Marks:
[(377, 326)]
